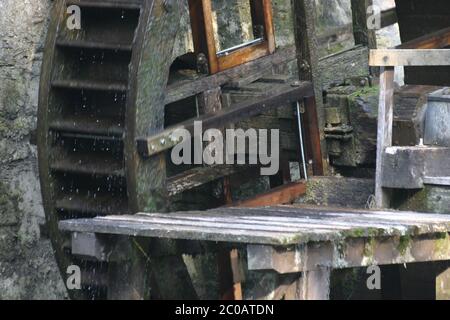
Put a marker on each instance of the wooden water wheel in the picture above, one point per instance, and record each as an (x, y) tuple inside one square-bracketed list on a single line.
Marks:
[(104, 124), (88, 116)]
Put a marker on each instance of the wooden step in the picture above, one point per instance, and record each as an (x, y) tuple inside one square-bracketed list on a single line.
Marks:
[(437, 181), (89, 165), (98, 204), (89, 126), (90, 85), (111, 4), (85, 44)]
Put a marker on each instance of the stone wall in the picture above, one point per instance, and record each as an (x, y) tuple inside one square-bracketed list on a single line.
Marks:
[(27, 266)]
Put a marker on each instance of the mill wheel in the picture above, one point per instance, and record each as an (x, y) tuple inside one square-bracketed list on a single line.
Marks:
[(101, 87)]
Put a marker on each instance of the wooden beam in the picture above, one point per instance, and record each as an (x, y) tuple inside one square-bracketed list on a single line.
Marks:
[(304, 13), (164, 140), (436, 40), (313, 132), (413, 167), (184, 89), (286, 194), (338, 63), (388, 17), (196, 177), (409, 57), (354, 253), (385, 122)]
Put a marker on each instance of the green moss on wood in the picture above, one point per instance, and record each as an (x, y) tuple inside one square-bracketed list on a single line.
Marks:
[(404, 244)]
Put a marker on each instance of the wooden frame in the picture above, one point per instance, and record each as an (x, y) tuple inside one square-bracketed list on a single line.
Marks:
[(204, 39), (409, 57), (387, 59)]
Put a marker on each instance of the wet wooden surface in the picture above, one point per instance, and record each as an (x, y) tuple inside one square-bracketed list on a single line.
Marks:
[(284, 225)]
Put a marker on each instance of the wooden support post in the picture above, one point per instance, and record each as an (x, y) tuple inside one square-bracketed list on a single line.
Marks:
[(443, 282), (209, 102), (308, 61), (313, 133), (126, 280), (229, 274), (385, 122), (315, 285)]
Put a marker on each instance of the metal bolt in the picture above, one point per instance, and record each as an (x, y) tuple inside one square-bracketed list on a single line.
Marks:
[(175, 140)]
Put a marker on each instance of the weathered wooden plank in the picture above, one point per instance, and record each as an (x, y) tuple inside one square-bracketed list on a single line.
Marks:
[(333, 69), (308, 66), (277, 226), (181, 233), (337, 221), (409, 57), (282, 195), (280, 96), (182, 90), (278, 222), (130, 4), (356, 252), (407, 167), (385, 122), (199, 176)]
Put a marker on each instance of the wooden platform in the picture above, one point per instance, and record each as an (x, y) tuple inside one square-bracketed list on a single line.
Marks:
[(303, 243), (285, 225)]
